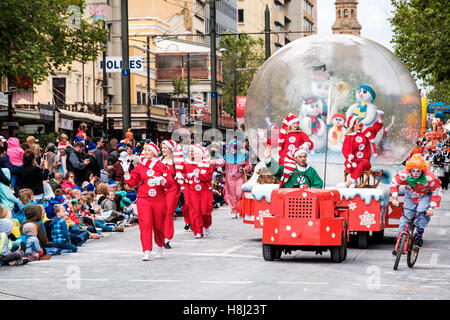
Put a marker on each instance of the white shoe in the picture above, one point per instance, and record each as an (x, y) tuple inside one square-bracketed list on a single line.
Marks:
[(159, 251), (147, 256), (206, 231), (198, 236)]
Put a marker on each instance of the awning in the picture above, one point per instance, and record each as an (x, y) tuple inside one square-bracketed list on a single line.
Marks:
[(88, 117)]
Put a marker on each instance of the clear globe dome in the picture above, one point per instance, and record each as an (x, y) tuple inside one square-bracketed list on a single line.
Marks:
[(323, 79)]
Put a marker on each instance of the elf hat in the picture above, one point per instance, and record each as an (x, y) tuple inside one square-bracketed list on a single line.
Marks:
[(62, 145), (288, 121), (350, 121), (153, 147), (91, 147)]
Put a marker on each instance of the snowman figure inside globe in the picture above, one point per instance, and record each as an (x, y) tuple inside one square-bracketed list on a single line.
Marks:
[(364, 109), (312, 124)]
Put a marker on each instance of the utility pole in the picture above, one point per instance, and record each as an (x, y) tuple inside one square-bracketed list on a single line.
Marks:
[(212, 39), (235, 92), (105, 90), (126, 105), (267, 31), (188, 64), (149, 94)]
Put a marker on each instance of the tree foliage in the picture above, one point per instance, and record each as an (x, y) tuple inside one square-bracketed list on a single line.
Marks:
[(240, 52), (421, 38), (41, 36)]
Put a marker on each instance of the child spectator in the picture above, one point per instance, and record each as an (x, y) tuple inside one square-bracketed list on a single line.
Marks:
[(60, 232), (33, 213), (109, 208), (33, 250), (7, 256), (69, 181), (26, 197)]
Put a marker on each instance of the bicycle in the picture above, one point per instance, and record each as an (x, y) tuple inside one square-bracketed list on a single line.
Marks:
[(407, 242)]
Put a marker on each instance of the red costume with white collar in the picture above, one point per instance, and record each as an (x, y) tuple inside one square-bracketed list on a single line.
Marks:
[(357, 150), (153, 177), (198, 192)]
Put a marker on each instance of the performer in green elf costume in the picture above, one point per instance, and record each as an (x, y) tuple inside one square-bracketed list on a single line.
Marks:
[(295, 172)]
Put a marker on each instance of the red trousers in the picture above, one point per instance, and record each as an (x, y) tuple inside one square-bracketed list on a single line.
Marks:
[(172, 196), (361, 166), (151, 213)]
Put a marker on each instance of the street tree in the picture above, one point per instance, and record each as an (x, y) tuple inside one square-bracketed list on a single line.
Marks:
[(243, 52), (39, 37), (421, 38)]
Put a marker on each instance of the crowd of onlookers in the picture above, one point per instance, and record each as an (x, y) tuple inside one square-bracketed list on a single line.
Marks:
[(54, 198)]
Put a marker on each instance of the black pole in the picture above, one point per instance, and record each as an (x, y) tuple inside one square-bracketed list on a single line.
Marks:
[(105, 90), (267, 31), (235, 93), (188, 63), (212, 31), (149, 95), (10, 114), (126, 105)]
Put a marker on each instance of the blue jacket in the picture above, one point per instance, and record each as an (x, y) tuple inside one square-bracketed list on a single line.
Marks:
[(60, 233)]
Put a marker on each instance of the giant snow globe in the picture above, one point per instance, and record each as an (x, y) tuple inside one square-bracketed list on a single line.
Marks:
[(322, 79)]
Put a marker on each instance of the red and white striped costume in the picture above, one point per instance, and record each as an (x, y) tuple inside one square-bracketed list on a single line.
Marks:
[(175, 168), (433, 187), (357, 148), (152, 177)]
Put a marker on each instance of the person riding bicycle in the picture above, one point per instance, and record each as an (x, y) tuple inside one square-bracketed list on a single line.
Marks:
[(423, 193)]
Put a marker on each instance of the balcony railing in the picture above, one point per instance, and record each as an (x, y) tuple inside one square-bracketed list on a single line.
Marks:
[(171, 73), (224, 120)]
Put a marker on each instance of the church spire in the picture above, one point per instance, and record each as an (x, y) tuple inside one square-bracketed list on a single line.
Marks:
[(346, 18)]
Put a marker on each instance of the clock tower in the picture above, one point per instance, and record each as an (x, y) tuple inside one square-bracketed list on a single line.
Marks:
[(346, 18)]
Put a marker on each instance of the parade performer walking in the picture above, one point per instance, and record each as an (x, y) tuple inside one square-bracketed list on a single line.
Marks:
[(198, 194), (152, 177), (237, 164), (423, 193), (172, 157), (292, 137), (357, 147)]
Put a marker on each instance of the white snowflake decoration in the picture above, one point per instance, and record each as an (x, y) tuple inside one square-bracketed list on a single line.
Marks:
[(262, 214), (367, 219), (352, 206)]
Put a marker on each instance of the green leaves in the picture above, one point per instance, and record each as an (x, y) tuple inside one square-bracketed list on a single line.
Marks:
[(39, 36), (421, 38), (240, 53)]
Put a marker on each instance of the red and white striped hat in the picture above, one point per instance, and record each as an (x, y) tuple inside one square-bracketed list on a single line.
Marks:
[(177, 153), (289, 164), (289, 120), (153, 147), (350, 121)]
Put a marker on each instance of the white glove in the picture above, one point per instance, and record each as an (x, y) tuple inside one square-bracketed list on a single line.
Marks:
[(125, 166), (305, 146), (179, 177), (159, 181), (192, 174)]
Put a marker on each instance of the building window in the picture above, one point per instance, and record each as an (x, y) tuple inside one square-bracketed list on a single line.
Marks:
[(346, 13), (277, 26), (241, 15), (59, 90), (352, 14), (144, 98), (138, 98)]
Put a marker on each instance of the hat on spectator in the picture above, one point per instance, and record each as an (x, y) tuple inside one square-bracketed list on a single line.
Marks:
[(62, 145), (91, 147), (78, 188), (89, 187), (79, 139), (112, 183), (132, 196), (2, 139)]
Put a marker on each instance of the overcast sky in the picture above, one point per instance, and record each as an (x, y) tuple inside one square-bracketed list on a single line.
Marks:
[(372, 16)]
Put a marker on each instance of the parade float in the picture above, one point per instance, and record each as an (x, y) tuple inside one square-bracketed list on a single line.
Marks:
[(323, 79)]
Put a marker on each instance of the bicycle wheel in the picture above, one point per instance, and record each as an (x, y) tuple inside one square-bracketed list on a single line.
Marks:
[(413, 252), (400, 249)]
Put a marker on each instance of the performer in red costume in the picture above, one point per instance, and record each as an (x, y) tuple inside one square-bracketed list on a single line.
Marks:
[(172, 157), (153, 177), (198, 191), (357, 147), (292, 137)]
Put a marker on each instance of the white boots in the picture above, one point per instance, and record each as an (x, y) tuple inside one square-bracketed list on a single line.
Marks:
[(206, 231), (158, 254)]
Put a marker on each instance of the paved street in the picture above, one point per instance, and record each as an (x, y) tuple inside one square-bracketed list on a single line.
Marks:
[(228, 265)]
